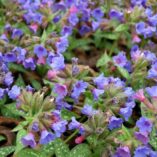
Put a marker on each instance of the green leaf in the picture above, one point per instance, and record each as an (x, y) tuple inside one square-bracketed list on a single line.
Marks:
[(20, 126), (153, 139), (48, 149), (61, 149), (123, 72), (19, 145), (10, 110), (2, 138), (16, 67), (20, 82), (111, 35), (36, 84), (5, 151), (2, 101), (126, 135), (43, 37), (67, 115), (103, 60), (146, 112), (81, 150), (29, 153), (122, 28)]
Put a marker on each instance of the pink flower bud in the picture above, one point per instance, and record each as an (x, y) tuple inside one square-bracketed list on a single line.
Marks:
[(41, 60), (51, 74), (79, 139), (73, 9), (139, 95), (34, 27), (136, 39)]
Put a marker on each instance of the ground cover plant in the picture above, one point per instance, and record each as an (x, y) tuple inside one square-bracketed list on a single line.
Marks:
[(78, 78)]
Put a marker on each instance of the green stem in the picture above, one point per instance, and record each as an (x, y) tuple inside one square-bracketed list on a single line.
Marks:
[(71, 136)]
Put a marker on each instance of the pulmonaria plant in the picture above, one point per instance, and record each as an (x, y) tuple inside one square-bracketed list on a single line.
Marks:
[(64, 107)]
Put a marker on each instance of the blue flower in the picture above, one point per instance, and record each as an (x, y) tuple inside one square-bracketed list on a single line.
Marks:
[(60, 90), (73, 19), (142, 151), (101, 81), (126, 112), (120, 59), (152, 91), (97, 14), (84, 29), (116, 15), (29, 64), (144, 124), (78, 88), (62, 44), (115, 123), (88, 110), (122, 152), (142, 137), (8, 79), (59, 127), (40, 51), (66, 31), (140, 27), (14, 92), (152, 73), (46, 137), (17, 33), (74, 124), (56, 62), (2, 92), (28, 140), (97, 93), (10, 57)]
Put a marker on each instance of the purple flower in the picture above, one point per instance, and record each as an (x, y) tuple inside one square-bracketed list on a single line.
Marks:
[(97, 93), (8, 79), (126, 112), (149, 56), (35, 126), (142, 151), (138, 2), (14, 92), (66, 31), (78, 88), (120, 59), (29, 63), (142, 136), (152, 91), (97, 14), (20, 53), (140, 27), (2, 92), (95, 25), (56, 62), (17, 33), (128, 91), (46, 137), (59, 127), (74, 124), (62, 44), (122, 152), (60, 104), (10, 57), (101, 81), (144, 124), (73, 19), (29, 140), (75, 68), (84, 29), (40, 51), (116, 15), (115, 123), (60, 90), (152, 73), (88, 110)]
